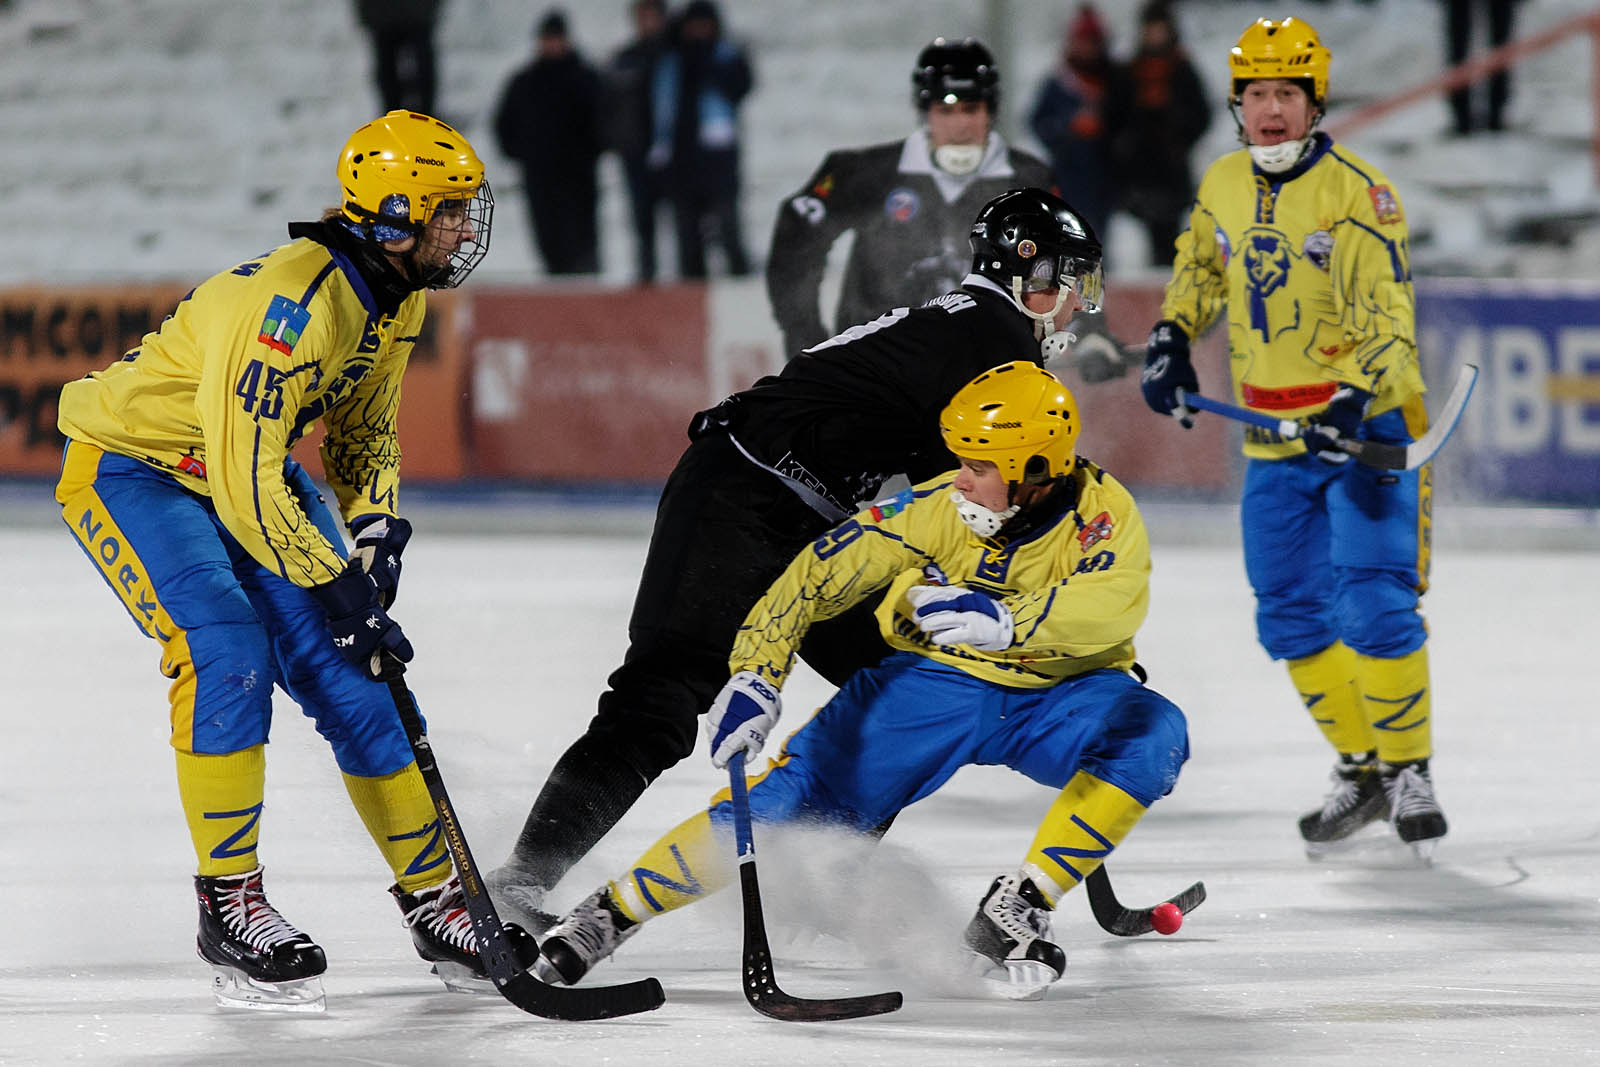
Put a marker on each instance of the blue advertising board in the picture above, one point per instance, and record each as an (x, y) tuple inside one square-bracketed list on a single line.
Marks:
[(1532, 431)]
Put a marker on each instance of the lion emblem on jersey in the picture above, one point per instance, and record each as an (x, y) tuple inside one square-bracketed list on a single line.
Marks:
[(1266, 262)]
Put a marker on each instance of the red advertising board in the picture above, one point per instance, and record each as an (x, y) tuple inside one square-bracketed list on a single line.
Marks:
[(584, 384)]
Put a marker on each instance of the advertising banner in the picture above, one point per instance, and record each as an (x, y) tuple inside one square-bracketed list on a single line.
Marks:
[(1532, 430)]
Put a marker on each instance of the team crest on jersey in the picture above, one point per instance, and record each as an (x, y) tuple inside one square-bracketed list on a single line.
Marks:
[(1224, 248), (1384, 203), (902, 204), (1319, 249), (1095, 531), (284, 324), (1266, 262), (822, 189)]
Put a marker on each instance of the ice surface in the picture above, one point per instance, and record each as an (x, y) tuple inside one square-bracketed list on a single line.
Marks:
[(1490, 956)]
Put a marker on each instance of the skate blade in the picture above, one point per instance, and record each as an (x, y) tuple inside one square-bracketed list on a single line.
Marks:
[(1016, 980), (461, 979), (1423, 850), (235, 989)]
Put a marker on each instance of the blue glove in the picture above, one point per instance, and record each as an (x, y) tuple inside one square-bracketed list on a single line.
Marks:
[(1341, 419), (361, 630), (379, 541), (955, 615), (1167, 369), (741, 717)]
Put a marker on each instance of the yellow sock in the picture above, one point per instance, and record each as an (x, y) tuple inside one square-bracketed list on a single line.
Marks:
[(399, 815), (1326, 682), (1088, 819), (221, 798), (689, 862), (1399, 704)]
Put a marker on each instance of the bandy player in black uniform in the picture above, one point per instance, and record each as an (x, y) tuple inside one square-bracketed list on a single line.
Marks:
[(909, 202), (768, 471)]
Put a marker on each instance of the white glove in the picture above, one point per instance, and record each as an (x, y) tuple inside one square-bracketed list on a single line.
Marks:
[(955, 615), (741, 717)]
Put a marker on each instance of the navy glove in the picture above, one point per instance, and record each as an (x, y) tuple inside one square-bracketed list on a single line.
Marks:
[(361, 630), (379, 541), (1340, 419), (1167, 369), (955, 615), (741, 717)]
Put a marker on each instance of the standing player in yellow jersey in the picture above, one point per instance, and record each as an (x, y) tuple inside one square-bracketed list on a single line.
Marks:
[(1303, 243), (1010, 594), (177, 482)]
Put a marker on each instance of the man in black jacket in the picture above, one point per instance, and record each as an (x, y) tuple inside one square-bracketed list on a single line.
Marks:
[(769, 470), (909, 202), (548, 121)]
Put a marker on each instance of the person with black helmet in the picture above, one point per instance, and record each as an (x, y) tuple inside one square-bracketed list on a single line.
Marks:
[(908, 202), (1011, 589), (767, 471)]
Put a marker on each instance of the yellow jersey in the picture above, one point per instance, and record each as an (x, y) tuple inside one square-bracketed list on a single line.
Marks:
[(1313, 268), (1075, 577), (243, 367)]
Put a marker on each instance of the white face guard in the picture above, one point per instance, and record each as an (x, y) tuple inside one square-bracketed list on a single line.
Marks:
[(959, 159), (979, 519), (1277, 158)]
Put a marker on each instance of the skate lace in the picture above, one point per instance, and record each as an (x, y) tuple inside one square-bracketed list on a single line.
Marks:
[(250, 918), (445, 914), (589, 930), (1344, 796), (1014, 915), (1410, 794)]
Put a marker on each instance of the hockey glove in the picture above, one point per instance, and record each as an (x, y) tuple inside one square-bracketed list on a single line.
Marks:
[(955, 615), (741, 717), (361, 630), (1167, 369), (379, 541), (1341, 419), (1097, 355)]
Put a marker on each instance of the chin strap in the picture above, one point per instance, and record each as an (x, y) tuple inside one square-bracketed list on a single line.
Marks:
[(959, 159)]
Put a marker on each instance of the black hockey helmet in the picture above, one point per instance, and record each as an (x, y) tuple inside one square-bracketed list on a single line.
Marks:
[(948, 71), (1028, 239)]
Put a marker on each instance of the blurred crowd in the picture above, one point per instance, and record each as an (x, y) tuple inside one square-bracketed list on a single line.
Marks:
[(1118, 123)]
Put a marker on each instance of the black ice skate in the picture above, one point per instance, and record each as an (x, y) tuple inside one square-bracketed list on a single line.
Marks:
[(1417, 818), (588, 934), (258, 960), (1356, 799), (442, 932), (1010, 939)]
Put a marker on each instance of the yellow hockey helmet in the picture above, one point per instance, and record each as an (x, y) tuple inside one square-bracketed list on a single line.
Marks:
[(1018, 416), (397, 171), (1289, 48)]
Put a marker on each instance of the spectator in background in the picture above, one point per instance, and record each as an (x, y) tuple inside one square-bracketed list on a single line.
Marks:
[(627, 123), (697, 87), (548, 121), (402, 47), (1068, 118), (1459, 16), (909, 203), (1156, 113)]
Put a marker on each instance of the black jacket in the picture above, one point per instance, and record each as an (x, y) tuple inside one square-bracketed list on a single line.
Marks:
[(844, 416), (910, 243)]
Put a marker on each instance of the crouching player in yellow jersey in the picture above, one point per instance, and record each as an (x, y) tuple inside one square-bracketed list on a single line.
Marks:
[(1014, 588), (1304, 244), (177, 483)]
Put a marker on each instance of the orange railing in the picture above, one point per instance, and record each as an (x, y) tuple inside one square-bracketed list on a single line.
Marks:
[(1486, 64)]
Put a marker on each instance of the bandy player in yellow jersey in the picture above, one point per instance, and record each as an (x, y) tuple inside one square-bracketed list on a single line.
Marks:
[(1303, 245), (177, 483), (1009, 593)]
